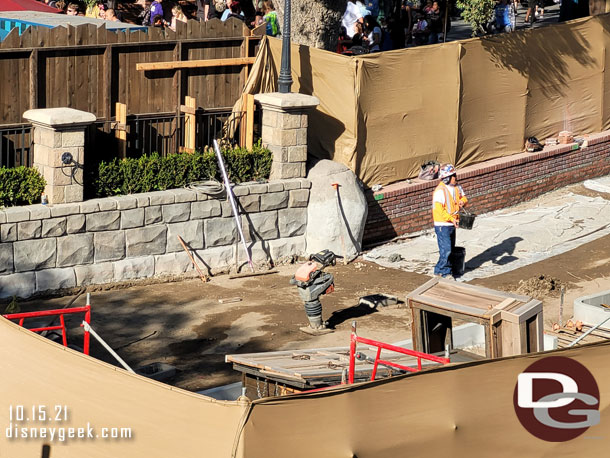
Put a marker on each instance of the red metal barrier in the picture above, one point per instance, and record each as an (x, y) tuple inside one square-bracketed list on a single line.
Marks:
[(61, 312), (383, 346)]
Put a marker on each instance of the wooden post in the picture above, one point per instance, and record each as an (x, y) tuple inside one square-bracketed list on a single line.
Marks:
[(249, 109), (33, 79), (190, 125), (121, 128)]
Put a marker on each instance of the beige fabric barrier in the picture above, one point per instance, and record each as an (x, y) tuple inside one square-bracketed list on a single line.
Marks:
[(385, 114), (464, 411), (165, 421)]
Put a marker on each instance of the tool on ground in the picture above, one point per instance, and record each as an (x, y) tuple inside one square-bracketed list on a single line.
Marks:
[(203, 276), (90, 330), (232, 200), (340, 219), (380, 299), (253, 274), (312, 282)]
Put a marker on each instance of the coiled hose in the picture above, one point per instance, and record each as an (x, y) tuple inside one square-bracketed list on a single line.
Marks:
[(210, 187)]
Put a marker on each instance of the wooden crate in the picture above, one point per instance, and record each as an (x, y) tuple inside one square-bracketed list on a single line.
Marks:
[(513, 323)]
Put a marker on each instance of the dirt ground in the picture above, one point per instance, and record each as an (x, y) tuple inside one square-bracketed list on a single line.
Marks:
[(183, 323)]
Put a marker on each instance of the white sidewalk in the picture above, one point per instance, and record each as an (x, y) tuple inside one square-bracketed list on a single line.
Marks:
[(511, 238)]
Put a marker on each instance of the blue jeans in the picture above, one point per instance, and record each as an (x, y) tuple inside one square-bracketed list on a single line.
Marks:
[(445, 236)]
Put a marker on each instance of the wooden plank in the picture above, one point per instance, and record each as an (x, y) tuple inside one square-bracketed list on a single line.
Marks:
[(190, 124), (235, 61), (249, 121), (121, 134)]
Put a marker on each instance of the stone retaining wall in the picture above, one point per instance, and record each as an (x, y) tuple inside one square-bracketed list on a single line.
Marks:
[(129, 237)]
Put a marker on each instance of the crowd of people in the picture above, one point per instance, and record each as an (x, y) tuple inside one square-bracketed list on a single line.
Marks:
[(166, 13), (366, 28)]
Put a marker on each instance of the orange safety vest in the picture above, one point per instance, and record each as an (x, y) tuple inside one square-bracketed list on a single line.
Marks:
[(443, 214)]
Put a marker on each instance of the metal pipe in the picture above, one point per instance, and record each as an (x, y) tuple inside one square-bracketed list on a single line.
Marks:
[(284, 82), (588, 332), (89, 329), (232, 200)]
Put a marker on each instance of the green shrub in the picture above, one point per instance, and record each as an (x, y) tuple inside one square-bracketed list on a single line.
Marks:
[(157, 173), (20, 186)]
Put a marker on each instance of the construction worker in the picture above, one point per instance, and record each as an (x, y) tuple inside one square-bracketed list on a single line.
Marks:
[(447, 200)]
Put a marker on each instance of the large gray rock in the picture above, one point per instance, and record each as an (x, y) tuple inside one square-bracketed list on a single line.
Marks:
[(191, 232), (260, 226), (94, 274), (34, 254), (174, 264), (109, 246), (328, 220), (219, 231), (74, 249), (20, 285), (146, 241), (55, 227), (6, 258), (104, 221), (52, 279), (292, 221), (128, 269)]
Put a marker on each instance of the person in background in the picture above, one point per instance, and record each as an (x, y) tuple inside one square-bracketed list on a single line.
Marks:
[(373, 7), (111, 15), (144, 16), (220, 6), (372, 34), (158, 21), (177, 15), (235, 11), (72, 9), (270, 17), (447, 200), (435, 23), (502, 17), (420, 30), (205, 10), (350, 17), (156, 9)]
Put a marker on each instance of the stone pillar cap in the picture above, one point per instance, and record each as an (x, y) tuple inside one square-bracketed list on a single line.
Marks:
[(290, 101), (59, 117)]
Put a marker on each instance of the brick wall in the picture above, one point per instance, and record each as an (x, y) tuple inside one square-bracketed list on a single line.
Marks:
[(405, 207)]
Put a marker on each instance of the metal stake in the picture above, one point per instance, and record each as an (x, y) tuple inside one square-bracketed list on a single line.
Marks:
[(89, 329), (563, 288)]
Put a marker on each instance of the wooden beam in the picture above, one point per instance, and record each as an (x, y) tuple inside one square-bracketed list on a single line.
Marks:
[(236, 61), (33, 61), (121, 134), (249, 109), (189, 123)]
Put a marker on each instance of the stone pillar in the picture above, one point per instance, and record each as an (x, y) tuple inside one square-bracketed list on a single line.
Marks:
[(58, 131), (285, 131)]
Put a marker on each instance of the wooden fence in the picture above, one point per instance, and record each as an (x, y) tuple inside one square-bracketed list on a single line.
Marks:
[(91, 69)]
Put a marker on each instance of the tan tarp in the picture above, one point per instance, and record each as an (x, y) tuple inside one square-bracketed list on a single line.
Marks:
[(385, 114), (165, 422), (464, 410)]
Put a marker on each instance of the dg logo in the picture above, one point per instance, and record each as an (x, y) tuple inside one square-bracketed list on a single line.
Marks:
[(556, 399)]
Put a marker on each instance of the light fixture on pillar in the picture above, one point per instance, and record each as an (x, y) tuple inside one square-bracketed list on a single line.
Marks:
[(284, 81)]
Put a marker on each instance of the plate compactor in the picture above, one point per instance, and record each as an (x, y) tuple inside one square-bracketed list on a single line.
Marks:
[(312, 282)]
